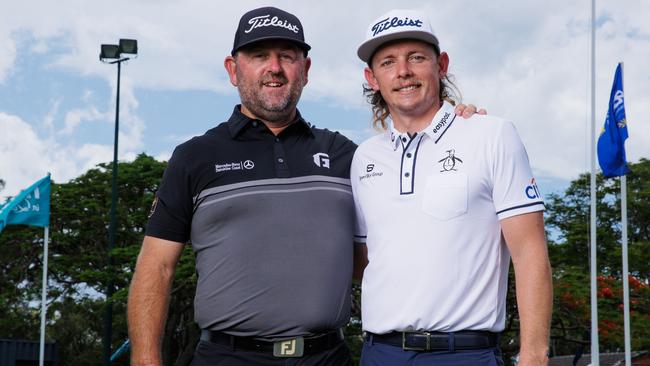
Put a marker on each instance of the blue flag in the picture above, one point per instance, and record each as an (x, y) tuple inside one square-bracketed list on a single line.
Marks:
[(30, 207), (611, 143)]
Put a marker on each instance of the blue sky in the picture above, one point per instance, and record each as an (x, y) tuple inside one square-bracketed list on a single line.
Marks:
[(527, 62)]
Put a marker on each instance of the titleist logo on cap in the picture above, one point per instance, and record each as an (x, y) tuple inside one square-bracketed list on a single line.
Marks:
[(385, 24), (267, 21)]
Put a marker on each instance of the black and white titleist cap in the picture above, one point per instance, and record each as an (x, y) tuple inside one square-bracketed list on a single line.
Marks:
[(268, 23), (396, 24)]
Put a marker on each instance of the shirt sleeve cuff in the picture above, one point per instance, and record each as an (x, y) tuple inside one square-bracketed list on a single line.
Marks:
[(520, 209)]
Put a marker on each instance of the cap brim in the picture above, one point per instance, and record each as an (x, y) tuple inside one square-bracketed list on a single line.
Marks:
[(368, 48), (300, 44)]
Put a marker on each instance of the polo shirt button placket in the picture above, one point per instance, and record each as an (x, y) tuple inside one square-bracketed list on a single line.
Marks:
[(408, 166), (281, 168)]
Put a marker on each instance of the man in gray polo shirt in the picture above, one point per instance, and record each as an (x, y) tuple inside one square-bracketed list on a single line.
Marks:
[(265, 200)]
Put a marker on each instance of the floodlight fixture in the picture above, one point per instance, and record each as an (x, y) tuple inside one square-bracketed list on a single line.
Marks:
[(129, 46), (116, 53), (109, 52)]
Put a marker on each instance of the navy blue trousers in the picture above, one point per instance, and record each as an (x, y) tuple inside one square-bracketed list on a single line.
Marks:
[(377, 354)]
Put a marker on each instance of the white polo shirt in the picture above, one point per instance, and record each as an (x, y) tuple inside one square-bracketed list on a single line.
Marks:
[(428, 208)]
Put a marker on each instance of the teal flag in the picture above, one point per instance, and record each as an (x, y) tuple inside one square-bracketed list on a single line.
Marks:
[(30, 207)]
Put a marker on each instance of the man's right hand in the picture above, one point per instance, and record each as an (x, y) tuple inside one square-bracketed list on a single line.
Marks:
[(149, 298)]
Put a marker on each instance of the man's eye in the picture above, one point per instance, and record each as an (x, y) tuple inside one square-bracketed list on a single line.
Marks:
[(386, 63), (287, 57), (417, 58)]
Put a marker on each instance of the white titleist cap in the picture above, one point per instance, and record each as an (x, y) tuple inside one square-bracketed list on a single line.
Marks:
[(396, 24)]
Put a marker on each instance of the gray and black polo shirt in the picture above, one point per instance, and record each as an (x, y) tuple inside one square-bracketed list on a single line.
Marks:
[(271, 219)]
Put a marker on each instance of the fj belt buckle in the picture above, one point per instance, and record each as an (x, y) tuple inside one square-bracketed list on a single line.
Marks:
[(427, 346), (293, 347)]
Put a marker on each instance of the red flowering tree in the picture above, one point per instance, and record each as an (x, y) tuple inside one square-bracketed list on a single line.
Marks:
[(568, 224)]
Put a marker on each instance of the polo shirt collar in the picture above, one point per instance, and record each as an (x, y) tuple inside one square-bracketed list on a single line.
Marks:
[(238, 121), (393, 136), (441, 122), (435, 130), (396, 138)]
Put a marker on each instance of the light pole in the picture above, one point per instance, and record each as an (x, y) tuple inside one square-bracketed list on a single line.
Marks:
[(113, 54)]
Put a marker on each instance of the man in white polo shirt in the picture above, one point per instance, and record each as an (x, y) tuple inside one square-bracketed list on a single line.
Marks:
[(442, 204)]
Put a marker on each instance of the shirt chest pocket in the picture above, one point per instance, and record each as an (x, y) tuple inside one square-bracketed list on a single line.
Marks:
[(446, 195)]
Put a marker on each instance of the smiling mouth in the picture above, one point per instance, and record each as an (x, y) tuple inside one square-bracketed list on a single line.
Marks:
[(407, 88), (273, 84)]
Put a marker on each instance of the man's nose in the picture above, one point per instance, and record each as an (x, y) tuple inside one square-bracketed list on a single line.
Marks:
[(274, 65), (403, 68)]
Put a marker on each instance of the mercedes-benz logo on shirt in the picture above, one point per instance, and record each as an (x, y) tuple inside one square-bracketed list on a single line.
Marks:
[(248, 164)]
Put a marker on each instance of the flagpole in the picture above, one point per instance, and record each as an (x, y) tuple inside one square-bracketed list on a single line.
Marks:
[(626, 281), (595, 357), (41, 356)]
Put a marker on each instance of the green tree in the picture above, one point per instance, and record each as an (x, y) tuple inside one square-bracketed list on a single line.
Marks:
[(78, 271), (79, 274), (568, 216)]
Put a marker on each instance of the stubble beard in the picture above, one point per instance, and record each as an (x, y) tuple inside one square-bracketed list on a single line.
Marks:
[(270, 109)]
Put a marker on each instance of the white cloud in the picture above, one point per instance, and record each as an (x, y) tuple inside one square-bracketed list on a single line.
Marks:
[(25, 158), (75, 117), (8, 53), (163, 156), (528, 62), (87, 95), (48, 120), (93, 154)]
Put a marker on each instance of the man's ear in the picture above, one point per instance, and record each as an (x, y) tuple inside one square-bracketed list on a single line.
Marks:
[(370, 78), (307, 66), (231, 68), (443, 64)]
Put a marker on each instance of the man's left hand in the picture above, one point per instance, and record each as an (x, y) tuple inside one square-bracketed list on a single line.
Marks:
[(469, 110)]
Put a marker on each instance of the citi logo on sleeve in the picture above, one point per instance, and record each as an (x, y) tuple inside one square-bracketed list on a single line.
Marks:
[(322, 160), (532, 191)]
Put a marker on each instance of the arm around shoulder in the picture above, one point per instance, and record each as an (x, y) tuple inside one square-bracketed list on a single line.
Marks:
[(149, 298), (525, 237), (360, 261)]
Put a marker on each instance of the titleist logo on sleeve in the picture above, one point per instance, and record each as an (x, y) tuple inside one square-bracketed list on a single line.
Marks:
[(267, 21), (388, 23)]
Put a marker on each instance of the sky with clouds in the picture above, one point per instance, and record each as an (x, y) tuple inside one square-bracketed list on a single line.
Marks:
[(526, 61)]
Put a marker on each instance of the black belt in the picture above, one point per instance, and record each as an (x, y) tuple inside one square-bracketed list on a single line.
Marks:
[(437, 341), (281, 348)]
